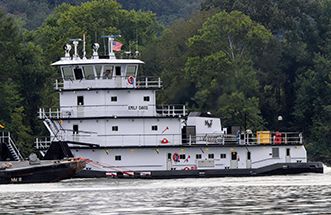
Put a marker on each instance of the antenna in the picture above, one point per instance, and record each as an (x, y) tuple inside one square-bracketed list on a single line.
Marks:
[(75, 42), (84, 44), (111, 38)]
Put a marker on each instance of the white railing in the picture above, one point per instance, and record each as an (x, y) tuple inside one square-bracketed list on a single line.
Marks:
[(116, 82), (286, 138), (111, 110), (43, 143), (171, 110)]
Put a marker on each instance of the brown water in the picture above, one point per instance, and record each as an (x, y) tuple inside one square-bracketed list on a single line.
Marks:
[(300, 194)]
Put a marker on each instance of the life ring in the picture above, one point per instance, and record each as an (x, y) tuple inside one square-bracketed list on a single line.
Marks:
[(131, 80), (175, 157), (164, 141), (186, 168)]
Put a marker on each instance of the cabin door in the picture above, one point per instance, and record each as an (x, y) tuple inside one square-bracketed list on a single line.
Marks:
[(288, 155), (234, 160), (169, 162)]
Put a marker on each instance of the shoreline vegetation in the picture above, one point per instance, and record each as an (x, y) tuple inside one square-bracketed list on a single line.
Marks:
[(246, 62)]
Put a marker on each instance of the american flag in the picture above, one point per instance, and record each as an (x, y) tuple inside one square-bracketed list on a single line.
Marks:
[(117, 46)]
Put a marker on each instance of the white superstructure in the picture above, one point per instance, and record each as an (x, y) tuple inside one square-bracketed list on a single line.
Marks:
[(109, 114)]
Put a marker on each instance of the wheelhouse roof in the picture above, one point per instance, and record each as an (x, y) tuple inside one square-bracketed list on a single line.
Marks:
[(67, 62)]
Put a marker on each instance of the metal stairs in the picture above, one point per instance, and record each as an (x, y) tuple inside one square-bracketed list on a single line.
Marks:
[(11, 146)]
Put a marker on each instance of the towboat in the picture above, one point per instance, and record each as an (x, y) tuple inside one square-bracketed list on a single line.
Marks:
[(108, 114)]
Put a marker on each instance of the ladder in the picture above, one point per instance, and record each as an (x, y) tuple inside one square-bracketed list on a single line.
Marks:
[(53, 129), (14, 152)]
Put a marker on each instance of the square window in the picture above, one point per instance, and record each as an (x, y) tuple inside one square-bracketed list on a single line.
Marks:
[(114, 128), (198, 156), (114, 98), (154, 127), (211, 156), (146, 98), (223, 156), (118, 157), (182, 156)]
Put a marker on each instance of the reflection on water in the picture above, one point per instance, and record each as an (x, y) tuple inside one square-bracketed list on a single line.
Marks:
[(308, 194)]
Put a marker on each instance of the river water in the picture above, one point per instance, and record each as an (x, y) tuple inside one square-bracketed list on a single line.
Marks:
[(299, 194)]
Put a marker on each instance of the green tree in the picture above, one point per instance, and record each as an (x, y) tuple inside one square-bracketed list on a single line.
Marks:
[(222, 69)]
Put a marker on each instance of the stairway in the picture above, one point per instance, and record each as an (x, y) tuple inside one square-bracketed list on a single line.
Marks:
[(14, 152)]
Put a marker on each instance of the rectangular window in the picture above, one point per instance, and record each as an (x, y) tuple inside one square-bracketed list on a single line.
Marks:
[(131, 71), (78, 73), (248, 155), (75, 129), (107, 71), (211, 156), (154, 127), (146, 98), (275, 152), (118, 71), (223, 156), (169, 156), (114, 128), (114, 98), (118, 157), (182, 156), (67, 73), (198, 156), (98, 69), (80, 100), (89, 72)]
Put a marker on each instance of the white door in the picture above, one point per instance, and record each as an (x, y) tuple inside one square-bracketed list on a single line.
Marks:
[(169, 162), (234, 160)]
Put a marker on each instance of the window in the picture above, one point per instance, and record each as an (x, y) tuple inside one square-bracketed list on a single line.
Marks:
[(75, 129), (78, 73), (169, 156), (107, 71), (89, 72), (198, 156), (80, 100), (114, 128), (223, 156), (114, 98), (118, 157), (288, 152), (98, 69), (154, 127), (211, 156), (182, 156), (118, 71), (275, 152), (131, 71), (67, 73), (146, 98), (248, 155)]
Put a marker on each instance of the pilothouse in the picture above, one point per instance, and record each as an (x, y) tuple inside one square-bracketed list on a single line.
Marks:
[(108, 114)]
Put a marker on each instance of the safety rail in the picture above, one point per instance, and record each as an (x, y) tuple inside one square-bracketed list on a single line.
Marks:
[(115, 82), (171, 110), (276, 138), (43, 143), (111, 110), (7, 139)]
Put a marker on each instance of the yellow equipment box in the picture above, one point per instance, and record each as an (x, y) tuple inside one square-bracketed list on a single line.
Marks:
[(263, 137)]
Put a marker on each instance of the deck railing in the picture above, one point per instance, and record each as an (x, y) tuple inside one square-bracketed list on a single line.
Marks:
[(116, 82), (276, 138)]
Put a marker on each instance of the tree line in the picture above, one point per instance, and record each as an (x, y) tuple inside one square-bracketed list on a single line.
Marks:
[(246, 62)]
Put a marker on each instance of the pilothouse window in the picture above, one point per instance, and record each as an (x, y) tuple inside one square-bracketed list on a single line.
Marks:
[(89, 72), (78, 73), (67, 73), (118, 71), (131, 71)]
